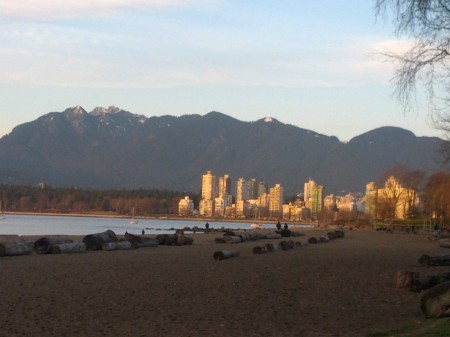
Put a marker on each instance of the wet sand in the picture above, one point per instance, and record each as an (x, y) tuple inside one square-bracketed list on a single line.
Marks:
[(341, 288)]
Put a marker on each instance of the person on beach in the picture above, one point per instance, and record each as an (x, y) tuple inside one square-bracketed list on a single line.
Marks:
[(143, 231), (278, 225)]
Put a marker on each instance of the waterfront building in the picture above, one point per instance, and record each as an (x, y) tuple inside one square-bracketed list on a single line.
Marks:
[(276, 201), (209, 193), (316, 199), (186, 206), (252, 189)]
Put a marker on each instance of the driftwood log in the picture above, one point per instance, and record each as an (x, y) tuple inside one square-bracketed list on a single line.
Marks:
[(273, 247), (116, 245), (68, 247), (273, 236), (141, 241), (436, 301), (15, 248), (405, 279), (260, 250), (225, 254), (44, 245), (95, 241), (286, 245), (435, 260), (178, 239)]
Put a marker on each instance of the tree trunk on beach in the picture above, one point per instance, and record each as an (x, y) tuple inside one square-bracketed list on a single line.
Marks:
[(225, 254), (95, 241), (435, 260), (44, 245), (15, 248), (68, 247)]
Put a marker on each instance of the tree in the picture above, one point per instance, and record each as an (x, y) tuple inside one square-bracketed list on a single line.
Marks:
[(438, 196), (427, 22)]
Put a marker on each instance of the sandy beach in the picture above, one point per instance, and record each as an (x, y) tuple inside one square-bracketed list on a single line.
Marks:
[(341, 288)]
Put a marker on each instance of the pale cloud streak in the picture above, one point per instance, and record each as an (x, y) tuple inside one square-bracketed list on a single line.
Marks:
[(70, 9)]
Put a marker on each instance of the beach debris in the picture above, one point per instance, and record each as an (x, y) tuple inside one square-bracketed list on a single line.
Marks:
[(95, 241), (287, 245), (435, 260), (44, 244), (68, 247), (436, 301), (260, 250), (225, 254), (273, 247), (141, 241), (117, 245), (16, 248), (405, 279), (177, 239)]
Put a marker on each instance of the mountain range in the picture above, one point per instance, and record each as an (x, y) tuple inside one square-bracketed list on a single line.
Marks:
[(111, 148)]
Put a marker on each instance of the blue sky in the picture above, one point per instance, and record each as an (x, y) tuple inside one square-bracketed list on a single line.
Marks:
[(306, 63)]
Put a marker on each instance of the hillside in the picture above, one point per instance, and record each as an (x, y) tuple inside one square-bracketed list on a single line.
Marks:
[(113, 148)]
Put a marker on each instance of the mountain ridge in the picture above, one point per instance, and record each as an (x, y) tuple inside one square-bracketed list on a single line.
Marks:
[(114, 148)]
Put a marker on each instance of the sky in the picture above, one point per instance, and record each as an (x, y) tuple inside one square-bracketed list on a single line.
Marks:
[(312, 64)]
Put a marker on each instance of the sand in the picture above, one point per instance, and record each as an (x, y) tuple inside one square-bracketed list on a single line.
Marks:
[(342, 288)]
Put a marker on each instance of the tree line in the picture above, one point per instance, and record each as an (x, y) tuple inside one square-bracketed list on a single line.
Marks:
[(46, 199)]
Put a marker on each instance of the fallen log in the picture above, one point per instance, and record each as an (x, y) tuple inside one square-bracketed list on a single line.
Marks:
[(225, 254), (95, 241), (141, 241), (435, 260), (117, 245), (405, 279), (313, 240), (274, 236), (68, 247), (16, 248), (44, 245), (273, 247), (286, 245), (324, 239), (260, 250), (436, 301), (181, 239)]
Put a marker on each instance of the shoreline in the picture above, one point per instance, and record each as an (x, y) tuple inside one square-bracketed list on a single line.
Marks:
[(174, 218)]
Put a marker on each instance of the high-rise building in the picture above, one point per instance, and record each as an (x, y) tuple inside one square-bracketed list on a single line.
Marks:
[(276, 201), (308, 187), (224, 186), (208, 186), (209, 193), (316, 199), (252, 189), (262, 188), (186, 206), (241, 189)]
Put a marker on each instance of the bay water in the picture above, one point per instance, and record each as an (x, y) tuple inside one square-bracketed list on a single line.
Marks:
[(15, 224)]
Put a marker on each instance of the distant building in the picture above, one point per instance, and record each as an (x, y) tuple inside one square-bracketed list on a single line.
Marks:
[(316, 199), (392, 201), (186, 207), (276, 201), (209, 193)]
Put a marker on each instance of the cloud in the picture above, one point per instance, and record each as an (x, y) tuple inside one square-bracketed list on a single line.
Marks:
[(70, 9)]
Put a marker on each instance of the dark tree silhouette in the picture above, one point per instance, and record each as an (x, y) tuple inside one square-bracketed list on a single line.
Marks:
[(427, 23)]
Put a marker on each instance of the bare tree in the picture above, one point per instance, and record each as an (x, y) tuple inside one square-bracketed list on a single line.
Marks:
[(427, 23)]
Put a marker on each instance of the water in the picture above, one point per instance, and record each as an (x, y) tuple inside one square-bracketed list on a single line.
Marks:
[(73, 225)]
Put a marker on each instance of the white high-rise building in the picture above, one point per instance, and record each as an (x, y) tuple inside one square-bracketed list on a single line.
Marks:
[(276, 201)]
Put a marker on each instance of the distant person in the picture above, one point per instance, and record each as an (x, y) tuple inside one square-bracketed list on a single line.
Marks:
[(143, 231), (285, 226), (207, 226), (278, 225)]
